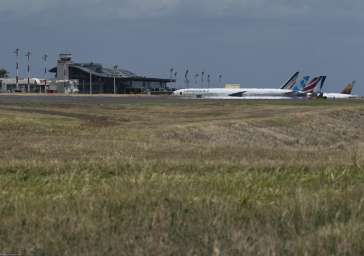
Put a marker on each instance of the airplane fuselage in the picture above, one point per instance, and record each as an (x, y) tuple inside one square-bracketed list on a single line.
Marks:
[(238, 93), (339, 96)]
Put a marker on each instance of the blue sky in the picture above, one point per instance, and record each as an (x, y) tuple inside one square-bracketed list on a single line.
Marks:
[(257, 43)]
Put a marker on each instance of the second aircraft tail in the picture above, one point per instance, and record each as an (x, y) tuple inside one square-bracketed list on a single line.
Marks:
[(349, 88), (299, 87), (291, 82), (310, 87)]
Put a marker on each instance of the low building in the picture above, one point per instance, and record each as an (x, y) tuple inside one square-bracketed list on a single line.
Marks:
[(9, 85), (37, 85), (63, 86), (94, 78)]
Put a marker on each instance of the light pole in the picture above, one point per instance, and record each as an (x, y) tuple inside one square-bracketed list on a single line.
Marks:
[(175, 79), (28, 57), (187, 81), (196, 77), (17, 52), (115, 70), (202, 78), (90, 82), (45, 57), (171, 73)]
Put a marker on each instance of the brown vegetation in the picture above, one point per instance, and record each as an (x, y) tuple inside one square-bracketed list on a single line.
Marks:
[(184, 178)]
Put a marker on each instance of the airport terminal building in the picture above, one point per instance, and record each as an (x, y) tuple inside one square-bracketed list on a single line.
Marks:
[(94, 78)]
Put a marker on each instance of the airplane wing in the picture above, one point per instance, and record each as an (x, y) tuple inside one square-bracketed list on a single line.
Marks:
[(237, 94), (294, 94)]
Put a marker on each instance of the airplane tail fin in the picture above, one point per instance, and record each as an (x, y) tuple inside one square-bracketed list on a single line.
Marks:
[(349, 88), (302, 84), (291, 82), (310, 87), (323, 79)]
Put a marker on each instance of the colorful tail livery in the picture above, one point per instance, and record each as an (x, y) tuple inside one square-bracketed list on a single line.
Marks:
[(291, 82), (310, 87), (349, 88), (323, 79), (299, 87)]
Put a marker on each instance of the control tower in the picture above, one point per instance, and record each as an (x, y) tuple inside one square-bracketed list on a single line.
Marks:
[(63, 63)]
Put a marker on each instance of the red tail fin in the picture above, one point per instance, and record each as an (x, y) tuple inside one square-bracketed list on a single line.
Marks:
[(310, 87)]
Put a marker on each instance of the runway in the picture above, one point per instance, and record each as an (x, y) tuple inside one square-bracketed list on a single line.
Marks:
[(57, 99)]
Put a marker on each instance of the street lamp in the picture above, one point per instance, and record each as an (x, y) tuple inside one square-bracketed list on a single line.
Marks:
[(115, 70)]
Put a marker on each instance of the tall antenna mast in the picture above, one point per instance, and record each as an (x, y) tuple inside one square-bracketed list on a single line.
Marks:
[(17, 52), (28, 57)]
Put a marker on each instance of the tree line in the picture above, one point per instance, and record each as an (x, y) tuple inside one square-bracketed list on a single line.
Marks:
[(4, 73)]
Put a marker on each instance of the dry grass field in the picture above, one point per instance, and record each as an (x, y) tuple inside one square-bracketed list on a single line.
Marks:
[(182, 178)]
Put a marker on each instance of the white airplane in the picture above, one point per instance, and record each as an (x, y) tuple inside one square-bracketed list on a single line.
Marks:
[(345, 93), (288, 91)]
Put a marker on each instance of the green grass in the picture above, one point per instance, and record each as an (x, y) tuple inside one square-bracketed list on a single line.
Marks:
[(191, 178)]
